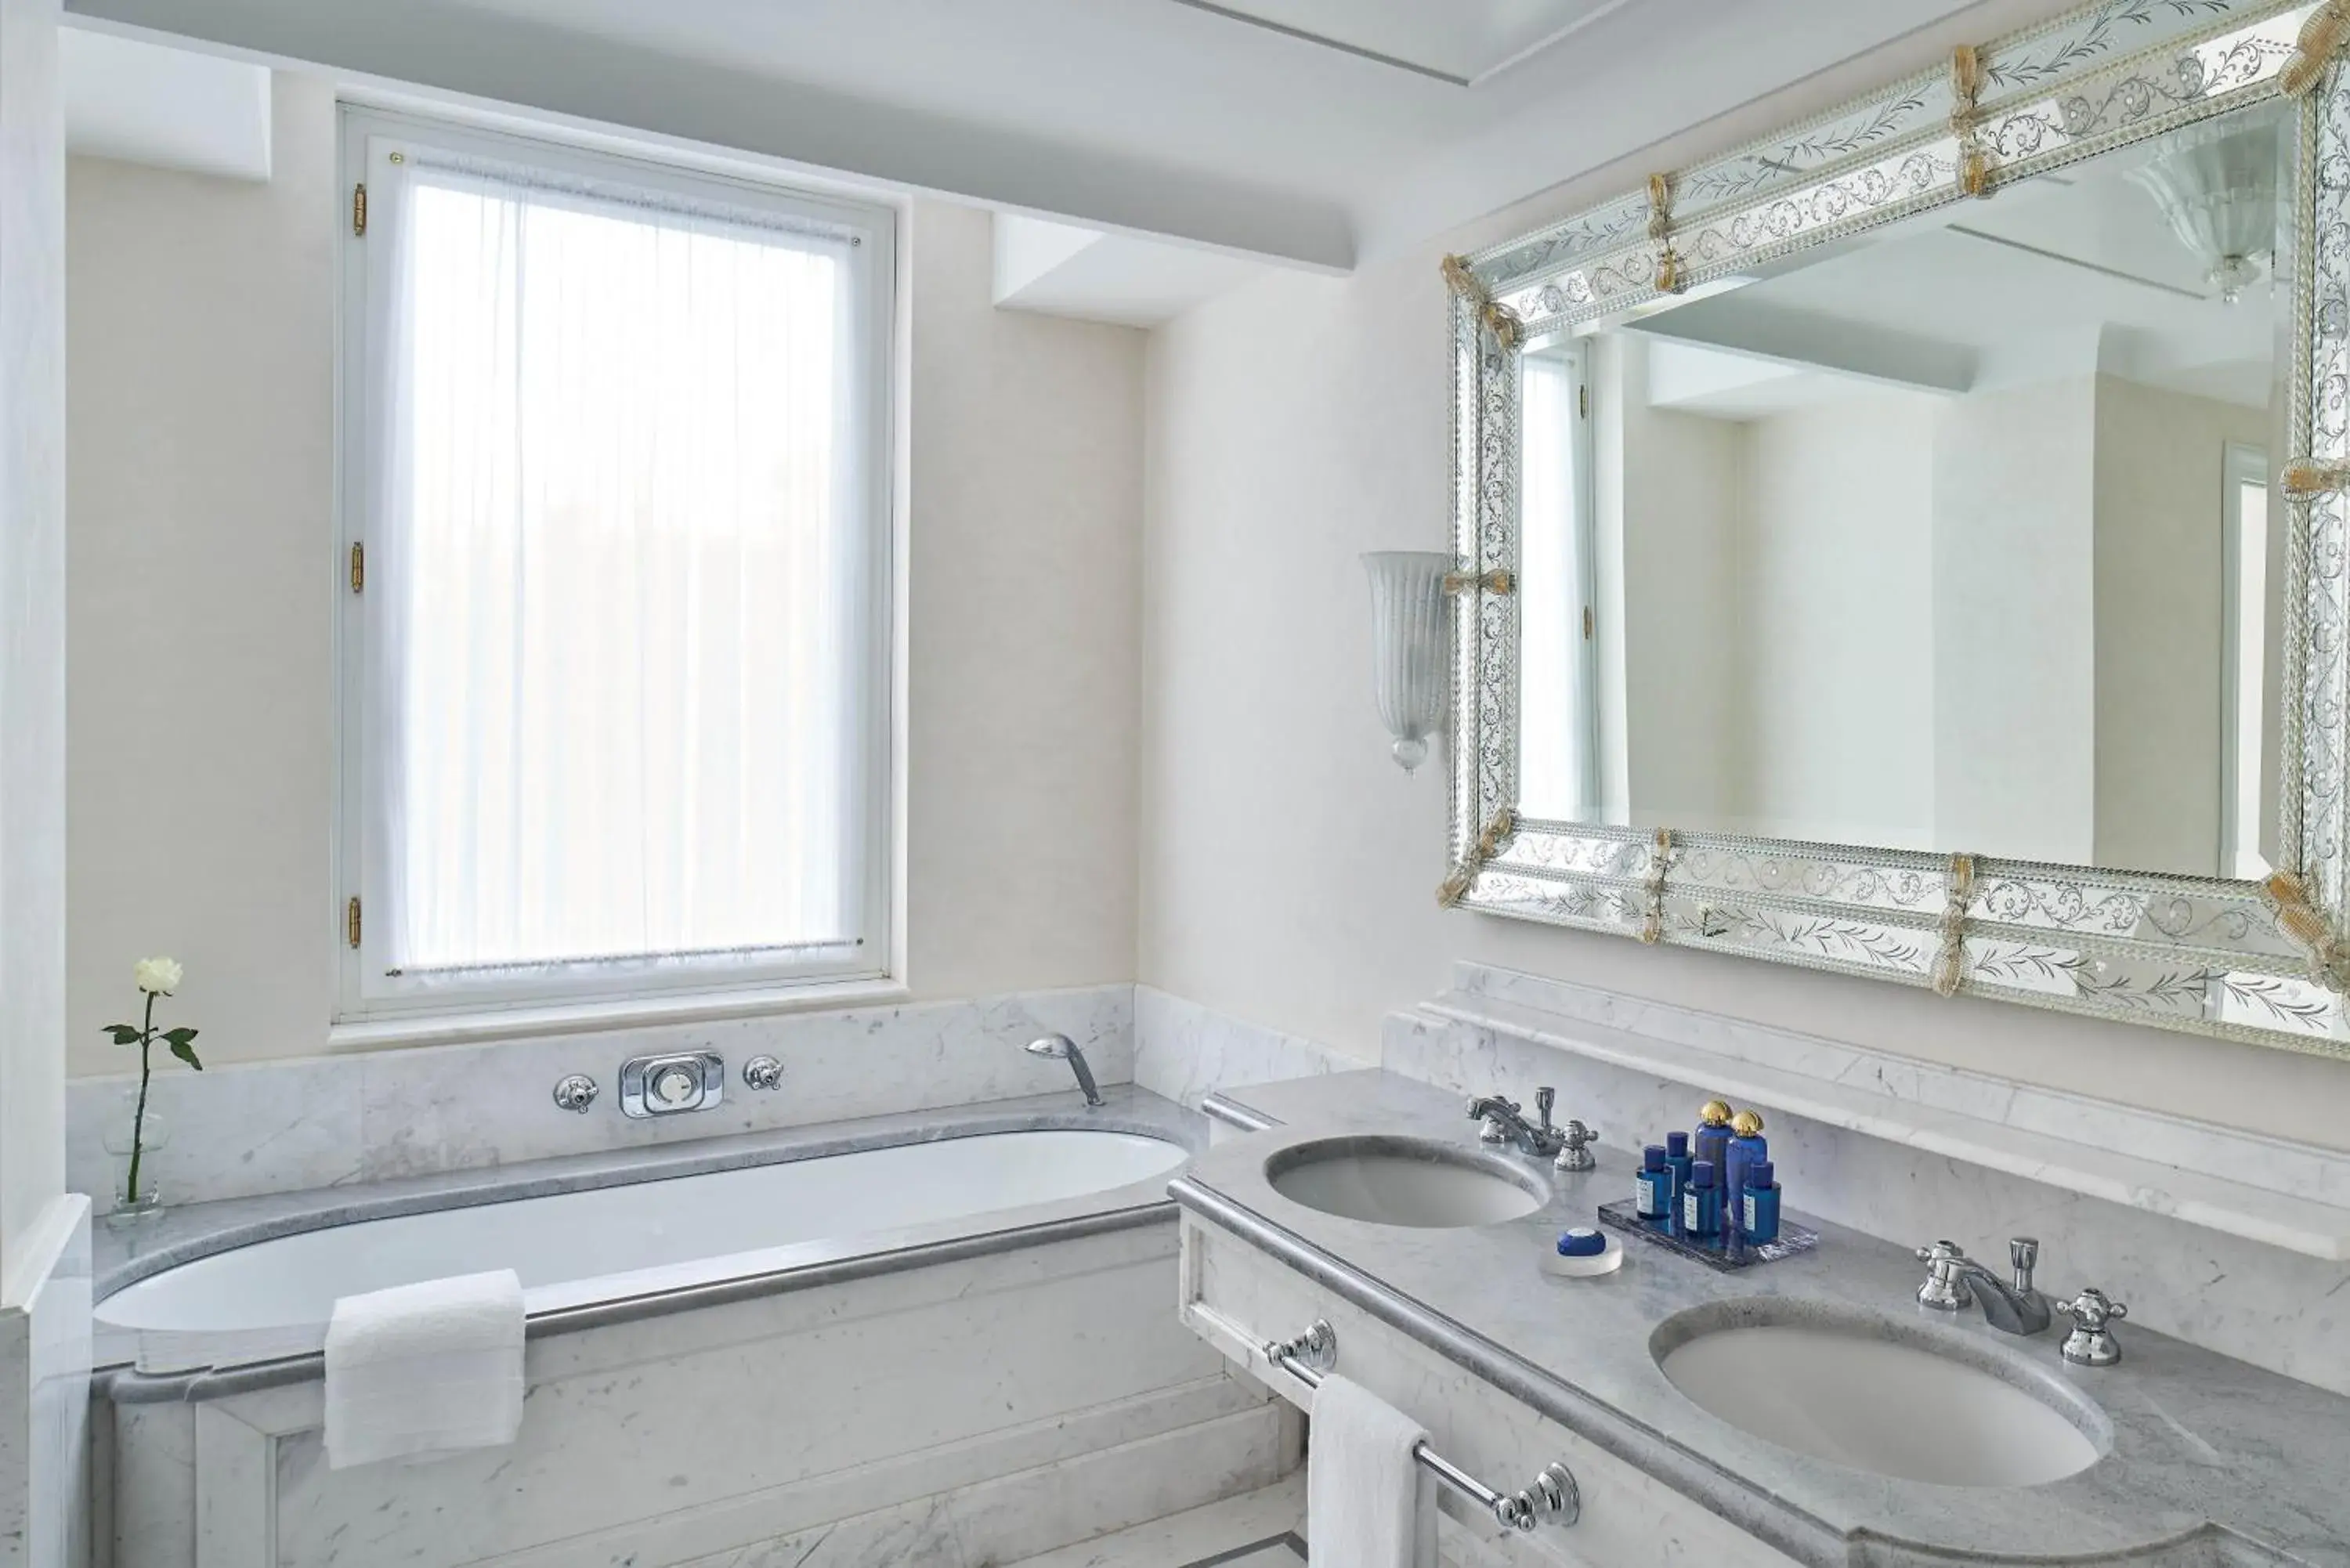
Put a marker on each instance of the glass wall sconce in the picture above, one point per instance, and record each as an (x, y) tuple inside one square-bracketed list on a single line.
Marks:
[(1408, 603)]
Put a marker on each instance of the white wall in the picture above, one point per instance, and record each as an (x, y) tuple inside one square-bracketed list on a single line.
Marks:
[(1288, 866), (203, 572), (201, 429), (32, 626), (2159, 457), (1667, 522), (2014, 624), (43, 1234), (1836, 642)]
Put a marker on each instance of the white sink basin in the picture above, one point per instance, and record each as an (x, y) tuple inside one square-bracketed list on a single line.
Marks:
[(1403, 1181), (1873, 1397)]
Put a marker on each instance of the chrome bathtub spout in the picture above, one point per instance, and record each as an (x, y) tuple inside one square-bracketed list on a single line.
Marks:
[(1061, 1048)]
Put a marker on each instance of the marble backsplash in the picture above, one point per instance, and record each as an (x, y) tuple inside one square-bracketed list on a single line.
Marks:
[(2275, 1308), (242, 1130), (1183, 1052)]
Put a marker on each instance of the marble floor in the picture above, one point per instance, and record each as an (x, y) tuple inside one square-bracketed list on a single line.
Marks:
[(1258, 1530)]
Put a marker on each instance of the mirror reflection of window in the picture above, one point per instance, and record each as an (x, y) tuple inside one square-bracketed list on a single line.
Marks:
[(1558, 756), (2245, 563)]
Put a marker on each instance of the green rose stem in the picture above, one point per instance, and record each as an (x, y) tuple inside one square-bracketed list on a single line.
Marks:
[(156, 977), (139, 1116)]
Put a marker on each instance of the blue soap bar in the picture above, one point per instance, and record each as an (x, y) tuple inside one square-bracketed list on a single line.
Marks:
[(1581, 1243)]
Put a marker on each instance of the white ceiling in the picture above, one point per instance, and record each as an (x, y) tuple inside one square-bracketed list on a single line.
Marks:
[(1459, 41), (2066, 274), (1287, 140)]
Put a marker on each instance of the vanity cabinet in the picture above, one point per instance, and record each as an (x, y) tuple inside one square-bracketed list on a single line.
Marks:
[(1238, 1299)]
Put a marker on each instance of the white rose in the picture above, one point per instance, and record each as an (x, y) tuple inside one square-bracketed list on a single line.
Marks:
[(157, 976)]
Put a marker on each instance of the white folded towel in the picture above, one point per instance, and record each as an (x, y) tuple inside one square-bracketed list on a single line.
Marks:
[(1368, 1503), (419, 1371)]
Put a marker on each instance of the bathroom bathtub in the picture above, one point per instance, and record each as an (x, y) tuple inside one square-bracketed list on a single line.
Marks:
[(949, 1335), (647, 1241)]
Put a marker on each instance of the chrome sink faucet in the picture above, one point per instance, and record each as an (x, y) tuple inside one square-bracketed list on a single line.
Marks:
[(2011, 1308), (1505, 1122), (1061, 1048)]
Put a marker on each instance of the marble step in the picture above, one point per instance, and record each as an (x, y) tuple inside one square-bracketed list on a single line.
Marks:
[(1255, 1530)]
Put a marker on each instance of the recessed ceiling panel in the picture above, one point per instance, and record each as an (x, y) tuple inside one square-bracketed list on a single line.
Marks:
[(1457, 40)]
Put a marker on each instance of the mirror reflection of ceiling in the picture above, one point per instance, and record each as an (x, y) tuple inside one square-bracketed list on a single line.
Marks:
[(2109, 268), (1459, 41)]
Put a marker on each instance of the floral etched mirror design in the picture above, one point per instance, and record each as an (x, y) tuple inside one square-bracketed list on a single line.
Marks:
[(1911, 545)]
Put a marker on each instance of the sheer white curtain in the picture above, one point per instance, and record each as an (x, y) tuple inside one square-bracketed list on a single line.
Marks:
[(616, 550)]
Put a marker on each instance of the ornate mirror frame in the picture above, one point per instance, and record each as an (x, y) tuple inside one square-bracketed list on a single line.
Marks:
[(2241, 959)]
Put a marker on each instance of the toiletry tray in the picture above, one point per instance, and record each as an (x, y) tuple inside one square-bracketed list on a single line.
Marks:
[(1728, 1255)]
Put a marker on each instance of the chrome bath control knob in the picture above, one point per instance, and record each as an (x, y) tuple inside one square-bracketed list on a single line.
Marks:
[(762, 1073), (576, 1092), (1575, 1150), (1944, 1290), (2091, 1342)]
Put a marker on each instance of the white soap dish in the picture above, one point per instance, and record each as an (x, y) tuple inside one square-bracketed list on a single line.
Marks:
[(1604, 1261)]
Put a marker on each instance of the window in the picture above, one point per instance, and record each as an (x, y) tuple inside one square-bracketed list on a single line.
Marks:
[(1558, 752), (616, 639), (2245, 614)]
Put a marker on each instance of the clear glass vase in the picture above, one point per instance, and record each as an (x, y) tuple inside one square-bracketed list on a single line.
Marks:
[(154, 1133)]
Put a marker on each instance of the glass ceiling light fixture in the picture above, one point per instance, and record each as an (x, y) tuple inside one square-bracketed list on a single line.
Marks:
[(2219, 193), (1407, 601)]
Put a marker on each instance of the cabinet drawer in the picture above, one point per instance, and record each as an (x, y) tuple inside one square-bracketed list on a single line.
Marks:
[(1238, 1298)]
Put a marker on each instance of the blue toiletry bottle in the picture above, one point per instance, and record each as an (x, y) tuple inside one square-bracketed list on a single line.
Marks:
[(1747, 1145), (1652, 1185), (1712, 1141), (1676, 1162), (1759, 1201), (1702, 1204)]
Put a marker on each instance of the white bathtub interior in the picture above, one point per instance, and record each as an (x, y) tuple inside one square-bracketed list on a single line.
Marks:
[(273, 1298)]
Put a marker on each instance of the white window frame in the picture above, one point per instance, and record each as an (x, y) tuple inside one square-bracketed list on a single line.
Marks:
[(373, 1003)]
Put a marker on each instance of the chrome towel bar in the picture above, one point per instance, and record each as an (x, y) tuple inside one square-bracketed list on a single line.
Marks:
[(1552, 1499)]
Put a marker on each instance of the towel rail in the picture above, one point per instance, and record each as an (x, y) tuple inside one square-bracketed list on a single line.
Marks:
[(1553, 1498)]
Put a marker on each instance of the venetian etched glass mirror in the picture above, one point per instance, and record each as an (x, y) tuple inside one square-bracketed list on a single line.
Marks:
[(1911, 545)]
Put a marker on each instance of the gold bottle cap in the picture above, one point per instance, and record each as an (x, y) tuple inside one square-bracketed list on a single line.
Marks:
[(1746, 1124), (1716, 1114)]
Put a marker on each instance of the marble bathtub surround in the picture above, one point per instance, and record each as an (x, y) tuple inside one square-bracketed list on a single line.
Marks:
[(1186, 1051), (970, 1410), (370, 1117), (1901, 1174), (2204, 1459), (199, 1230)]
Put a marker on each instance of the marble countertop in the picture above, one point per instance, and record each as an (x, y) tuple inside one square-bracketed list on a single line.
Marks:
[(2205, 1460), (181, 1235)]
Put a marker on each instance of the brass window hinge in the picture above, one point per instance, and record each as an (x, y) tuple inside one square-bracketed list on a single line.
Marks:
[(359, 208), (1583, 402), (351, 923), (1586, 623), (359, 567)]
